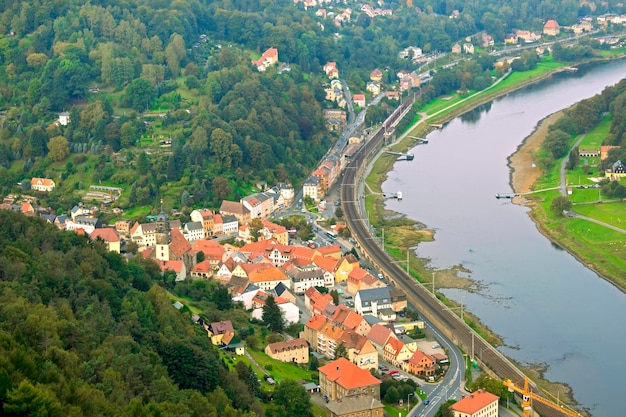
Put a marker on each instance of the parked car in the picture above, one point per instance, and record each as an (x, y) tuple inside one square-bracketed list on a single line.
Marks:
[(394, 372), (436, 346), (383, 368)]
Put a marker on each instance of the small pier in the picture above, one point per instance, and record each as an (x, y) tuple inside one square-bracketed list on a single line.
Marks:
[(419, 140), (402, 156), (397, 196), (437, 125), (505, 195)]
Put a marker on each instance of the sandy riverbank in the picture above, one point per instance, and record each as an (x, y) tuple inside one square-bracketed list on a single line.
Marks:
[(524, 171)]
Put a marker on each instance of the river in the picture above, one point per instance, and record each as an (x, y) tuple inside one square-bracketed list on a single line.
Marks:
[(548, 308)]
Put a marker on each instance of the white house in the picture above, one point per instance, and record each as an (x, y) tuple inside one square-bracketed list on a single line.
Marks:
[(193, 231), (372, 300), (42, 184)]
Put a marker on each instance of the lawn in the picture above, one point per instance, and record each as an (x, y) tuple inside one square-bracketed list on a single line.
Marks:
[(593, 140), (281, 370)]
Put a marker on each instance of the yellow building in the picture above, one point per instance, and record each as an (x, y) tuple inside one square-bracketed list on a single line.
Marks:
[(292, 351)]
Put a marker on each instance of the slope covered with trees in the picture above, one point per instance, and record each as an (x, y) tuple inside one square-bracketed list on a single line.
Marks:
[(85, 333), (131, 73)]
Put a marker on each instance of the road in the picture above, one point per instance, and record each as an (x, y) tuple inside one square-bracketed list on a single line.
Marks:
[(451, 328)]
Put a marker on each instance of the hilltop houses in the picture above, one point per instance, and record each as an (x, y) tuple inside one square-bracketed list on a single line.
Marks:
[(45, 185), (267, 59)]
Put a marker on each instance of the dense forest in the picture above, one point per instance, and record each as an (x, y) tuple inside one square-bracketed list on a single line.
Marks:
[(85, 333), (131, 73)]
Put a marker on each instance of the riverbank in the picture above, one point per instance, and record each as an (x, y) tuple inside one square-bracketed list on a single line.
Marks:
[(425, 275)]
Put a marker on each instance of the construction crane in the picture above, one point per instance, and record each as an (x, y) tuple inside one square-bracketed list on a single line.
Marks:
[(527, 395)]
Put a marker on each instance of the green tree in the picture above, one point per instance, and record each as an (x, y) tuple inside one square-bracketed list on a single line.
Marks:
[(341, 351), (335, 295), (139, 94), (58, 148), (392, 396), (559, 205), (28, 400), (556, 143), (273, 315), (293, 398), (339, 212), (143, 164), (221, 188)]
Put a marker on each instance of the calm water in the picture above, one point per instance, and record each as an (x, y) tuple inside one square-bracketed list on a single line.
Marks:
[(546, 305)]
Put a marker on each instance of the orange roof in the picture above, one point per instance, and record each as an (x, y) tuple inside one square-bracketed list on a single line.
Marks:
[(175, 266), (357, 273), (418, 356), (217, 219), (353, 320), (331, 331), (325, 262), (272, 227), (203, 267), (179, 245), (268, 273), (316, 322), (379, 334), (348, 375), (288, 345), (474, 402), (46, 182), (108, 234), (329, 250), (261, 297), (211, 249), (395, 344), (302, 252), (551, 24), (135, 227)]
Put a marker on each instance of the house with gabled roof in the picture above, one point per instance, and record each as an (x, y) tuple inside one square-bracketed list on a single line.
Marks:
[(290, 351), (237, 209), (290, 312), (193, 231), (206, 217), (376, 75), (45, 185), (316, 301), (311, 329), (268, 277), (212, 250), (396, 352), (360, 350), (379, 335), (303, 278), (551, 28), (268, 58), (478, 404), (217, 330), (421, 364), (203, 270), (177, 267), (360, 279), (344, 266), (370, 301), (327, 339), (341, 378), (109, 236)]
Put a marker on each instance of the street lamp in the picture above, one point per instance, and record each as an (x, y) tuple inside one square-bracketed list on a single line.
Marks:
[(408, 404)]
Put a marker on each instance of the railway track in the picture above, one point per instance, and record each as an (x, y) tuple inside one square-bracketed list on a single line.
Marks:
[(427, 304)]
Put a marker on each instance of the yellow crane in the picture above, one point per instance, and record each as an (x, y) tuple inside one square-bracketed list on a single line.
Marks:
[(527, 395)]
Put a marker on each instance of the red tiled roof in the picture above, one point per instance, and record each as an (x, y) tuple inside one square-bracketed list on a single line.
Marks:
[(176, 266), (348, 375), (474, 402), (203, 267), (551, 24), (211, 249), (288, 345), (316, 322), (268, 273), (179, 245), (329, 250), (379, 334), (326, 263), (108, 234)]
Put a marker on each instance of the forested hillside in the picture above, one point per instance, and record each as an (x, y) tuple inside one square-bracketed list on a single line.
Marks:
[(84, 333), (134, 75)]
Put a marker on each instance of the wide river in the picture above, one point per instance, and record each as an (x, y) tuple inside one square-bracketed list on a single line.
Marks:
[(548, 307)]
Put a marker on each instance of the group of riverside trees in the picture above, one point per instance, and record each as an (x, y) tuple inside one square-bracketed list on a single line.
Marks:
[(189, 60), (85, 333)]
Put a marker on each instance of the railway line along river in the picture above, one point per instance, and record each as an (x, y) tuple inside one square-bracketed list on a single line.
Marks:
[(549, 308)]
